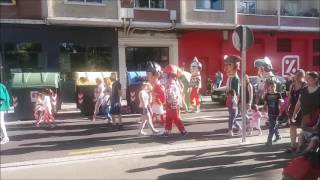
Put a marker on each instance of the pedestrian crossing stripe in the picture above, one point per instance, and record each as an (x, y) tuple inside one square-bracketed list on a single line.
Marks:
[(89, 151)]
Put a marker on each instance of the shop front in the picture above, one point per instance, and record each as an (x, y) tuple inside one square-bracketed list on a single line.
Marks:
[(288, 51), (42, 48)]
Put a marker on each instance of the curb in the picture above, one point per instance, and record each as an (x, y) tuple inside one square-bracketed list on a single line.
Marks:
[(145, 151)]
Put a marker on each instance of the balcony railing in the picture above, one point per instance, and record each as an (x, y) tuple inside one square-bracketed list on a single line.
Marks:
[(257, 11), (310, 13)]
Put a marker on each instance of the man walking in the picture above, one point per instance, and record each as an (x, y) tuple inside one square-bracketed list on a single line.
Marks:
[(116, 100)]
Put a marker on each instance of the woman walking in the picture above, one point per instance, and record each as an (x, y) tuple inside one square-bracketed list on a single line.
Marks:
[(294, 93), (4, 106), (309, 104)]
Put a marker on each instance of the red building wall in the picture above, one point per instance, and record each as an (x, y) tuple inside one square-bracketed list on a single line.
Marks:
[(23, 9), (211, 46)]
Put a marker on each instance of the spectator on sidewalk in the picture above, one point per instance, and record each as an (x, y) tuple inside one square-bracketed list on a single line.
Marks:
[(294, 93), (218, 79), (116, 100), (309, 104), (272, 103), (4, 106), (99, 95), (106, 99)]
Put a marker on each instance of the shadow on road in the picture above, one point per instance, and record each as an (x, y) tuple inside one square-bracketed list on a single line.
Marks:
[(222, 163)]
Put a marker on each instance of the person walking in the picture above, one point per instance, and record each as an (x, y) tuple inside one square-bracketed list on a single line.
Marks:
[(145, 99), (172, 102), (4, 106), (294, 93), (115, 100), (232, 105), (106, 99), (272, 101), (309, 104), (99, 95)]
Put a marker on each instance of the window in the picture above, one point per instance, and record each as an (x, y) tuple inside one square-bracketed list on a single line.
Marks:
[(137, 57), (316, 60), (22, 57), (284, 45), (316, 45), (159, 4), (86, 1), (248, 6), (79, 57), (7, 2), (210, 4)]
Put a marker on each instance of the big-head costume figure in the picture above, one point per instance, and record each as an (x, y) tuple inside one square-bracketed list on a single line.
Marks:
[(195, 84), (173, 94), (265, 74), (231, 66), (158, 93)]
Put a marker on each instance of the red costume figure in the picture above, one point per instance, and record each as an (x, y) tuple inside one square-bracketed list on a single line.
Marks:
[(195, 84), (173, 94), (158, 92)]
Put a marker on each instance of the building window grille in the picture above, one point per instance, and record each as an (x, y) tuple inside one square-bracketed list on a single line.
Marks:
[(209, 4), (158, 4), (284, 45)]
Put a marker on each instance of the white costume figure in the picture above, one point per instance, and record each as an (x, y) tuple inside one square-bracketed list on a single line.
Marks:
[(195, 84), (264, 72)]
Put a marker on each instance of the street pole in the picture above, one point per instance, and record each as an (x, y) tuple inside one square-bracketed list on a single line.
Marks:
[(243, 84)]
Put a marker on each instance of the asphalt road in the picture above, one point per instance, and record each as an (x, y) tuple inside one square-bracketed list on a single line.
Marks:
[(77, 135)]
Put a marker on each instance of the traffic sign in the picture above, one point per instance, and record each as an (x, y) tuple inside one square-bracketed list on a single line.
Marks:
[(237, 38), (290, 65)]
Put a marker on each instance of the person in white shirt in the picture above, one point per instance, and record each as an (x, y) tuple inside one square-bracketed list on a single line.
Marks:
[(145, 99), (99, 96)]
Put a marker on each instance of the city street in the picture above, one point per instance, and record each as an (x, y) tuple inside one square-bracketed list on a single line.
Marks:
[(78, 147)]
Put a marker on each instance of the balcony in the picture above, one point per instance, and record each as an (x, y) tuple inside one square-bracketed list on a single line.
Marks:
[(309, 18), (257, 17)]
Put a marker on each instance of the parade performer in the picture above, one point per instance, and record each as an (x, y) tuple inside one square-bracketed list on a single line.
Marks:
[(184, 78), (231, 65), (195, 84), (264, 72), (158, 92), (173, 94)]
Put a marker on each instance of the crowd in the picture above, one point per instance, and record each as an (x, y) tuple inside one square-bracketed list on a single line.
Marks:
[(167, 91)]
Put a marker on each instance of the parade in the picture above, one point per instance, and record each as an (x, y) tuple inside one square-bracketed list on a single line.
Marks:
[(160, 89)]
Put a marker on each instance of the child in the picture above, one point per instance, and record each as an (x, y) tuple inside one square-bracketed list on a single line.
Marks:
[(145, 99), (272, 101), (232, 104), (255, 119)]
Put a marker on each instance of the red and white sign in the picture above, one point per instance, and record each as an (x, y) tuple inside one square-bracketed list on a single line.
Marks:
[(290, 65), (34, 96)]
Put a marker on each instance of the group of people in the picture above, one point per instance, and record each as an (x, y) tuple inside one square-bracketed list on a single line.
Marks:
[(162, 99), (301, 102), (108, 99)]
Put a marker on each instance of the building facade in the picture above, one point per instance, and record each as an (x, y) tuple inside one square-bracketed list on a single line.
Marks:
[(122, 35)]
